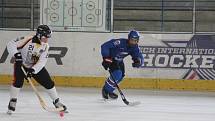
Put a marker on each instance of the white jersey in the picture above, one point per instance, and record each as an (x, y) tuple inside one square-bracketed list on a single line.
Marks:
[(34, 55)]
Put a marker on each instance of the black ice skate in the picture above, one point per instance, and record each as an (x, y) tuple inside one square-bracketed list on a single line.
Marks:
[(12, 105), (113, 95), (58, 104), (107, 95)]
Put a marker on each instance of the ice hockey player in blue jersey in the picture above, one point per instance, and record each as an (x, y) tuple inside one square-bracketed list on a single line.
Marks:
[(113, 53)]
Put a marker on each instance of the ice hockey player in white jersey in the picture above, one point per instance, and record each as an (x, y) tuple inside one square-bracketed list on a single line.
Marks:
[(31, 52)]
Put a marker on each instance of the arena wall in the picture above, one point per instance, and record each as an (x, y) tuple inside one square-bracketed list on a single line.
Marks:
[(75, 60)]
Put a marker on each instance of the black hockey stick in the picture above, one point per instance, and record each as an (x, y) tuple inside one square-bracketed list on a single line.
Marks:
[(122, 95)]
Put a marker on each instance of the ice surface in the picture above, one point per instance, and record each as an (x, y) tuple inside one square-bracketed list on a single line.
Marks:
[(85, 104)]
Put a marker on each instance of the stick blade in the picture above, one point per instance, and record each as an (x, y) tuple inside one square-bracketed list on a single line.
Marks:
[(131, 103)]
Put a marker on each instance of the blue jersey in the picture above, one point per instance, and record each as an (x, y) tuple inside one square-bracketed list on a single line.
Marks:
[(118, 49)]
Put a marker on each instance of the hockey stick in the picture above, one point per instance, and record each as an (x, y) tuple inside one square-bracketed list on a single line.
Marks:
[(42, 102), (122, 95)]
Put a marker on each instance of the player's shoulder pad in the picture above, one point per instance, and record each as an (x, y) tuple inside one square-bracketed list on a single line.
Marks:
[(119, 41), (116, 42)]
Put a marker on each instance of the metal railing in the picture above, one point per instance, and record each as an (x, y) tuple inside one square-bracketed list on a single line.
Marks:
[(154, 16)]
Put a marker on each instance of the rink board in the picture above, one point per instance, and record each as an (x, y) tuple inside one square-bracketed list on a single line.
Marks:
[(75, 60), (131, 83)]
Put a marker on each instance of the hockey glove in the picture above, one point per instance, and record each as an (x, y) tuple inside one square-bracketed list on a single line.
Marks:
[(107, 61), (136, 63), (30, 72), (18, 58)]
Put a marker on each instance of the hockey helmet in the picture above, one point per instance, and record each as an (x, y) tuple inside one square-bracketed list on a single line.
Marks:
[(43, 30)]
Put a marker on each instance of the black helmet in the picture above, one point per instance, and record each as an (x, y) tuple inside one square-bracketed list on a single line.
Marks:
[(43, 30)]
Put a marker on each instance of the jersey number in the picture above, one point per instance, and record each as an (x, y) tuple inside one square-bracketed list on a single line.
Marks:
[(31, 47)]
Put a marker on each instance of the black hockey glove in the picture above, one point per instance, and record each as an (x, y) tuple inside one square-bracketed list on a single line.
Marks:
[(107, 61), (18, 58), (136, 63), (30, 72)]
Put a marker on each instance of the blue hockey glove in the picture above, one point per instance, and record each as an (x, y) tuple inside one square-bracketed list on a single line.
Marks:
[(107, 61)]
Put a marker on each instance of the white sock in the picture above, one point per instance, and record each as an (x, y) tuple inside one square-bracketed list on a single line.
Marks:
[(14, 91), (53, 93)]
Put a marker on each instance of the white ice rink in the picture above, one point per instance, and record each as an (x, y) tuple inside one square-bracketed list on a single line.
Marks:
[(84, 104)]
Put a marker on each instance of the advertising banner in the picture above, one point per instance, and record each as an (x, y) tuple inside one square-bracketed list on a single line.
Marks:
[(194, 56)]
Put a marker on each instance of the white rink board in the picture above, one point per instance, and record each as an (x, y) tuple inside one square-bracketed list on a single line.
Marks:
[(83, 57)]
